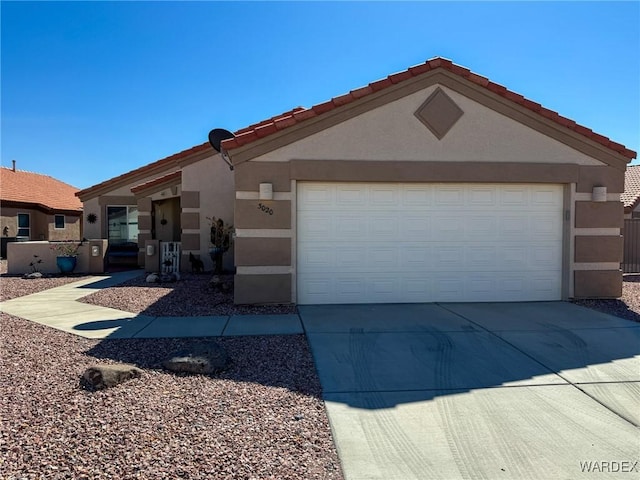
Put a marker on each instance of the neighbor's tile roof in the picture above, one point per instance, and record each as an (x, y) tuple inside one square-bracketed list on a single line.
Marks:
[(631, 194), (40, 190), (298, 115)]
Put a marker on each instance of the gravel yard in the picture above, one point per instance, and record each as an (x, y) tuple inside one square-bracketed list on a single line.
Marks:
[(192, 296), (628, 306), (263, 418)]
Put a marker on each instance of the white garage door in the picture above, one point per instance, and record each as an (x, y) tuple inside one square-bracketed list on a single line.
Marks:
[(398, 243)]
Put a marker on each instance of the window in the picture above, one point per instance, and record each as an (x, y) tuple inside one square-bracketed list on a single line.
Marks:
[(123, 224), (24, 225), (58, 221)]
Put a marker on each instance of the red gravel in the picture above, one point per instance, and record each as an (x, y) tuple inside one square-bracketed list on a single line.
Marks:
[(261, 419)]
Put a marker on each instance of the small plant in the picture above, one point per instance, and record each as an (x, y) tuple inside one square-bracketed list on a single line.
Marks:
[(66, 248), (221, 239), (34, 264)]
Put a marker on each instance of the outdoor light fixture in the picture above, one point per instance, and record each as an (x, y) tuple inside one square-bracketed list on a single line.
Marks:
[(266, 191), (599, 194), (95, 251), (151, 250)]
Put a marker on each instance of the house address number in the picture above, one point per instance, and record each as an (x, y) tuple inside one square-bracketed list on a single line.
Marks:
[(265, 209)]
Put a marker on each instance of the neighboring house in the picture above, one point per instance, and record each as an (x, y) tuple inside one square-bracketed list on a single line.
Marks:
[(431, 185), (37, 207), (631, 195), (169, 200)]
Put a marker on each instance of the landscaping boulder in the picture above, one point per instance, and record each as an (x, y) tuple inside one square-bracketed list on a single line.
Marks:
[(99, 377), (32, 275), (153, 278), (201, 359)]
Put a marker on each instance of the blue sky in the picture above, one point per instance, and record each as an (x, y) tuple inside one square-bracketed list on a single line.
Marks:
[(91, 90)]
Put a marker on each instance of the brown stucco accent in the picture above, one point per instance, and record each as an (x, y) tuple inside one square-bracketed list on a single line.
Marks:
[(145, 204), (143, 238), (599, 214), (439, 113), (190, 199), (463, 86), (151, 262), (190, 221), (117, 200), (407, 171), (249, 215), (249, 177), (598, 249), (598, 284), (144, 222), (262, 251), (96, 264), (257, 289), (609, 177), (190, 241)]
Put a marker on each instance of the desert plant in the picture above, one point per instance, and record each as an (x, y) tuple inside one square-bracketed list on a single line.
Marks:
[(66, 248), (34, 264)]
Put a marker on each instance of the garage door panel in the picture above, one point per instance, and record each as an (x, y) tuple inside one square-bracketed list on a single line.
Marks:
[(377, 243)]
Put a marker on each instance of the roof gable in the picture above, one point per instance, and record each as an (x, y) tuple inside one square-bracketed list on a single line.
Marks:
[(41, 191), (276, 130)]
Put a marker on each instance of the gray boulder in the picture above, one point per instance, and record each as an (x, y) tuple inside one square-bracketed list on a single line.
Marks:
[(201, 359), (153, 278), (99, 377), (32, 275)]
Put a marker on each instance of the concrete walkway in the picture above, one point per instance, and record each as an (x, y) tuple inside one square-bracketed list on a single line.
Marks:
[(59, 308), (512, 391)]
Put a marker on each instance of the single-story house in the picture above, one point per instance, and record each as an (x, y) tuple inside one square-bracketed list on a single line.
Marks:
[(431, 185), (37, 207), (631, 195), (170, 200)]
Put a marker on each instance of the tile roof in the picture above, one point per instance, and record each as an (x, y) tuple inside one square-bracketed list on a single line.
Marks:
[(41, 190), (166, 162), (299, 114), (631, 195), (170, 178)]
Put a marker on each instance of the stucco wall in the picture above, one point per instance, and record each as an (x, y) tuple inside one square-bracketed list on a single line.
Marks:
[(214, 181), (392, 132), (388, 143), (41, 225), (20, 255)]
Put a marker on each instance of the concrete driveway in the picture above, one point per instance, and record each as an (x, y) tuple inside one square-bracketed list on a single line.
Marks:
[(443, 391)]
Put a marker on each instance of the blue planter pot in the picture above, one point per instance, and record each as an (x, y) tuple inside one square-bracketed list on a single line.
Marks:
[(66, 264)]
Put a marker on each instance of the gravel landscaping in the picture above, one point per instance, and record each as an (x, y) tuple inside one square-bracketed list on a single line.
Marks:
[(628, 306), (193, 295), (263, 418)]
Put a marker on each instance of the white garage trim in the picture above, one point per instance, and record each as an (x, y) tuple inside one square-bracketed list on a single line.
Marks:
[(397, 243)]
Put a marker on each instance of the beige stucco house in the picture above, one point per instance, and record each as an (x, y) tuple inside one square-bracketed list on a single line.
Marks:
[(37, 207), (170, 200), (431, 185)]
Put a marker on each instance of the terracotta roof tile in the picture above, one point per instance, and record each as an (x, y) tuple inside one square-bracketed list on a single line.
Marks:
[(170, 177), (165, 162), (300, 114), (631, 195), (38, 189)]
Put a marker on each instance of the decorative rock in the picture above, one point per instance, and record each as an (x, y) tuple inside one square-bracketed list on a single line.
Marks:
[(215, 281), (99, 377), (153, 278), (203, 359), (32, 275)]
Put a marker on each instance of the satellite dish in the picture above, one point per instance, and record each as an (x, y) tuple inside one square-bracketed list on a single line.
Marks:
[(217, 136)]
